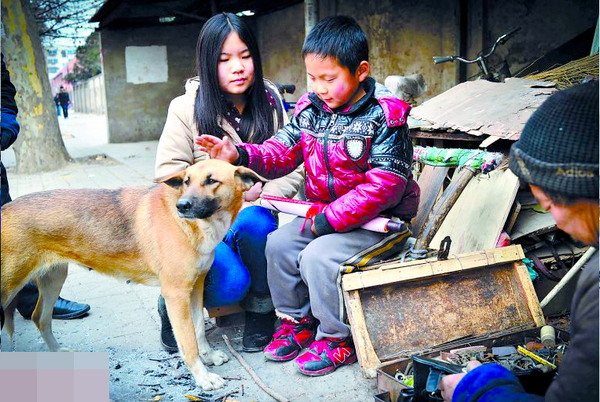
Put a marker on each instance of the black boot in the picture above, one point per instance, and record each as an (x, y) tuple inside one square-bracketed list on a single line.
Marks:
[(63, 309), (167, 339), (258, 331)]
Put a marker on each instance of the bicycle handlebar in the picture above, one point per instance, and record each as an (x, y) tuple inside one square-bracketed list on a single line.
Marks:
[(500, 41), (442, 59)]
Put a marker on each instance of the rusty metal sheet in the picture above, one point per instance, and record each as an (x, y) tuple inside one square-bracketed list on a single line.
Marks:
[(483, 108), (412, 316)]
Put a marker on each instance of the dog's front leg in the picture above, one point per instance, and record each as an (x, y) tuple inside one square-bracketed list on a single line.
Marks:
[(179, 310), (207, 354)]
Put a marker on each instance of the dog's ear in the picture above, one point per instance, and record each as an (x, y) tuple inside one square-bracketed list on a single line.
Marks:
[(248, 177), (174, 180)]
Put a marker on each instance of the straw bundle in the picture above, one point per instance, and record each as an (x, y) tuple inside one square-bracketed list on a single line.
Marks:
[(571, 73)]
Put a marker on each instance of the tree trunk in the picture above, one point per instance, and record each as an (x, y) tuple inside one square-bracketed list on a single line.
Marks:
[(40, 146)]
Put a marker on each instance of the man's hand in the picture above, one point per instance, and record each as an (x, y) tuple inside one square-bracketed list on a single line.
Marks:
[(448, 383), (217, 148)]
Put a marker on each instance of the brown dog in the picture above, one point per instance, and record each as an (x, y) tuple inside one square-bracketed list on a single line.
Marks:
[(161, 235)]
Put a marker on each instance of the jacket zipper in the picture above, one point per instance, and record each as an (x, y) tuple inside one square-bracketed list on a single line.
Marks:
[(326, 155)]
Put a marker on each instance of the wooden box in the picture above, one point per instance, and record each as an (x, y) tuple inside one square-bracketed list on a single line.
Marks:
[(399, 309)]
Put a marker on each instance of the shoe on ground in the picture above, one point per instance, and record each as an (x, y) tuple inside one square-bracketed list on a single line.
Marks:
[(290, 339), (68, 310), (258, 331), (167, 338), (63, 309), (325, 356)]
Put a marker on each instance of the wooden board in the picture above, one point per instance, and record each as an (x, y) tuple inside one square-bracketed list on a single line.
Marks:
[(224, 310), (512, 217), (478, 216), (530, 222), (399, 308), (430, 182), (483, 108)]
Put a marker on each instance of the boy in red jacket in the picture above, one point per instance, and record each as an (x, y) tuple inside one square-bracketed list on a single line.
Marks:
[(352, 137)]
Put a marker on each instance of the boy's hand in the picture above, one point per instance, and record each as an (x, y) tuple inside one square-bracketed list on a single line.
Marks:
[(217, 148)]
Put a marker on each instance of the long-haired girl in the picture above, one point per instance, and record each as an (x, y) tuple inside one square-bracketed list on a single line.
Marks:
[(230, 99)]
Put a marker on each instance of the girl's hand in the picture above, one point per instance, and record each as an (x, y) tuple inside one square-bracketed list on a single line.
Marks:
[(254, 192), (246, 204), (217, 148)]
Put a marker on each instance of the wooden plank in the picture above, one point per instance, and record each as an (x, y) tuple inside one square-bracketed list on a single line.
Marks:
[(441, 208), (430, 182), (478, 216), (419, 269), (512, 217), (224, 310), (365, 353), (529, 294), (443, 135)]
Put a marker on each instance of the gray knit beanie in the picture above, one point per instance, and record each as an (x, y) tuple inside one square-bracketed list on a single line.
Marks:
[(558, 148)]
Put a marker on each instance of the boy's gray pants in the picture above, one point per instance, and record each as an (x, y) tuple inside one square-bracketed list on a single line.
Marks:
[(303, 272)]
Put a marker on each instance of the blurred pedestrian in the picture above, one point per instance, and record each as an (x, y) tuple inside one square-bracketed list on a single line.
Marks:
[(64, 100)]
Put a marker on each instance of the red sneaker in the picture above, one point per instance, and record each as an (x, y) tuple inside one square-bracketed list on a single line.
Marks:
[(290, 339), (326, 355)]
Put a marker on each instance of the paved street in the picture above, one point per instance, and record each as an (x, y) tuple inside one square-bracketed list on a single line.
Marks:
[(123, 319)]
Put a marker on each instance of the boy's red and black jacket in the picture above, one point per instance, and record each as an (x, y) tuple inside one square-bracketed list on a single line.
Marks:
[(357, 158)]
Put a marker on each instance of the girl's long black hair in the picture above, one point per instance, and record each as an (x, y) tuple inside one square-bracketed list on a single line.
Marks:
[(257, 118)]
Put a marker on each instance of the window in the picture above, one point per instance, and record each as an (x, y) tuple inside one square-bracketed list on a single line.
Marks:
[(52, 52), (53, 70), (63, 53), (52, 61), (71, 52)]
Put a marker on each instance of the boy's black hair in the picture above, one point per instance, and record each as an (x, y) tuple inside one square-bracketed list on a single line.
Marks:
[(256, 124), (340, 38)]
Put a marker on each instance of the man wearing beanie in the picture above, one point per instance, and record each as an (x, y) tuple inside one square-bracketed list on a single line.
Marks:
[(557, 157)]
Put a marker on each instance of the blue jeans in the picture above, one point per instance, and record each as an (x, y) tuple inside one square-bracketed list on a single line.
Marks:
[(240, 266)]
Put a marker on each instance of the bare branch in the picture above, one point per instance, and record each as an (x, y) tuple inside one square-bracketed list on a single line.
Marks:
[(63, 18)]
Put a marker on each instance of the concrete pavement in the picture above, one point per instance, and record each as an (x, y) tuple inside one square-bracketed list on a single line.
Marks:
[(123, 319)]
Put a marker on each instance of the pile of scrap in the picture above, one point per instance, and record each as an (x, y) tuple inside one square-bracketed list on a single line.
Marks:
[(483, 253), (483, 207), (455, 255)]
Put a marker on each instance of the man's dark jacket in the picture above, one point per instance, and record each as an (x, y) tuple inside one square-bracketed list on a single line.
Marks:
[(10, 127)]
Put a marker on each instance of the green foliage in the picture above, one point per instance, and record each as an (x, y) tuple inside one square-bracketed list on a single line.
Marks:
[(88, 60)]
